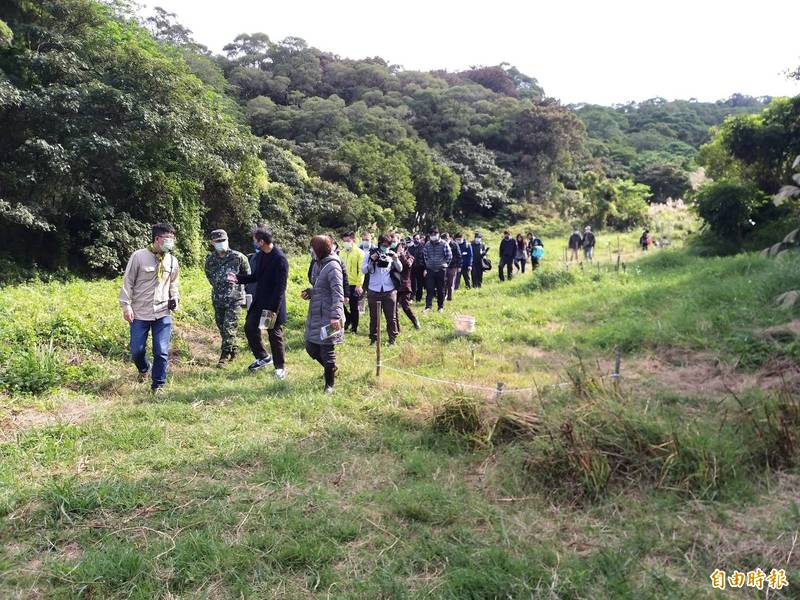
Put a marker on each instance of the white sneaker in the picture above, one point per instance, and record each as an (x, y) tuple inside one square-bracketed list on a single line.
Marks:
[(280, 374), (441, 310)]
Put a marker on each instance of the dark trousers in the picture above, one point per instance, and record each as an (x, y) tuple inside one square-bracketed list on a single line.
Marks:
[(351, 310), (404, 302), (162, 332), (520, 263), (508, 264), (324, 354), (277, 343), (417, 282), (465, 274), (477, 274), (434, 284), (388, 302)]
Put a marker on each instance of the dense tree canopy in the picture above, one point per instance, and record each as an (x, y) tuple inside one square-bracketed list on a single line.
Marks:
[(111, 123), (105, 132)]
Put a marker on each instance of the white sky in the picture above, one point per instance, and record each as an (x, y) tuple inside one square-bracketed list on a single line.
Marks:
[(597, 51)]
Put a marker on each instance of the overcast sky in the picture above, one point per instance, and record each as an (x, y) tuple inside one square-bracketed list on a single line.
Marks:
[(598, 51)]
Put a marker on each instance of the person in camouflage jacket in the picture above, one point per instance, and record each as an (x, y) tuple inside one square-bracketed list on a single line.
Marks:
[(227, 298)]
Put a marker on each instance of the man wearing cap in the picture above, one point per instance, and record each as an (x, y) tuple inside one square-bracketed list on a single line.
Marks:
[(226, 297)]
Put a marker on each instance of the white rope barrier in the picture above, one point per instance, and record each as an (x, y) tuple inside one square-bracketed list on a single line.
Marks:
[(500, 390), (495, 390)]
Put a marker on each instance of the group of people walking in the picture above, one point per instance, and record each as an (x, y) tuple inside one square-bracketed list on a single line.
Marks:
[(578, 242), (516, 252), (389, 275)]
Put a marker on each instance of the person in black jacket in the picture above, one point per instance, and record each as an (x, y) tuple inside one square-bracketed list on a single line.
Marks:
[(418, 268), (478, 253), (508, 250), (574, 244), (270, 294)]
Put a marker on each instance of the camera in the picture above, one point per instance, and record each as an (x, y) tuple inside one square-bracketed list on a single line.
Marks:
[(379, 259)]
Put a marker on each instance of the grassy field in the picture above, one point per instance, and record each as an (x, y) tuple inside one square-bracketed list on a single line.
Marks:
[(237, 485)]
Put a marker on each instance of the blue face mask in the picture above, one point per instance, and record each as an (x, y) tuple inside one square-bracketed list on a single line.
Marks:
[(256, 247)]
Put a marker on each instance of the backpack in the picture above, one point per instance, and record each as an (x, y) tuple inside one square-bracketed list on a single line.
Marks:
[(486, 264)]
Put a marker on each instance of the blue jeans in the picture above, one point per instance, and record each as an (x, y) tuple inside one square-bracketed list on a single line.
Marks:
[(162, 331)]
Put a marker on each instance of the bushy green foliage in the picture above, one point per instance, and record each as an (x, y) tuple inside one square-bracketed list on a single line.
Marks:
[(32, 370), (93, 154), (729, 208)]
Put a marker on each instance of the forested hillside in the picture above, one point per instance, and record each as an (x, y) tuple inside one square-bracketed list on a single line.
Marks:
[(111, 123), (655, 142)]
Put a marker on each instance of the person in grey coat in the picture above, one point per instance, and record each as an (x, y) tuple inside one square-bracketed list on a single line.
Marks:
[(326, 305)]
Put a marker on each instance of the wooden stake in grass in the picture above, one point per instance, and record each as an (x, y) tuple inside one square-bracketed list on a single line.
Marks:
[(378, 342)]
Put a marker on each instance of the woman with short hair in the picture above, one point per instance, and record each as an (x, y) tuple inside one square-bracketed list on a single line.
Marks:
[(326, 307)]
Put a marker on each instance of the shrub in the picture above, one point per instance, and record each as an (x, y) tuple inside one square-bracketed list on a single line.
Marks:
[(729, 207), (33, 371)]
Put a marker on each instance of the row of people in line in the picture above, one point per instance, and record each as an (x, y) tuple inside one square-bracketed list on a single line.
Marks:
[(393, 273)]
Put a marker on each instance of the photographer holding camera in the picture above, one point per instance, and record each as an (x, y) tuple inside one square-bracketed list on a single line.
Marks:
[(384, 268)]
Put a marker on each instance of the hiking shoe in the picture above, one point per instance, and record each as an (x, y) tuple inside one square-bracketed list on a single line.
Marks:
[(223, 360), (329, 389), (392, 342), (142, 377), (417, 325), (427, 309), (441, 310), (260, 363), (280, 374), (158, 390)]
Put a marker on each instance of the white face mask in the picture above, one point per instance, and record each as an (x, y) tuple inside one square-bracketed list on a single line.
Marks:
[(348, 245), (365, 245), (434, 238), (168, 244), (221, 246)]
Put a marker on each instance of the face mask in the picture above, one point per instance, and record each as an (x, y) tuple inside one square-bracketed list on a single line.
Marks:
[(364, 245), (477, 239), (348, 245), (394, 246), (434, 238), (221, 246), (459, 241), (256, 247), (383, 249), (167, 245)]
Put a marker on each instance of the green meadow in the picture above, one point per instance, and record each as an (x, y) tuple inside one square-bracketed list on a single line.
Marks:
[(569, 484)]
